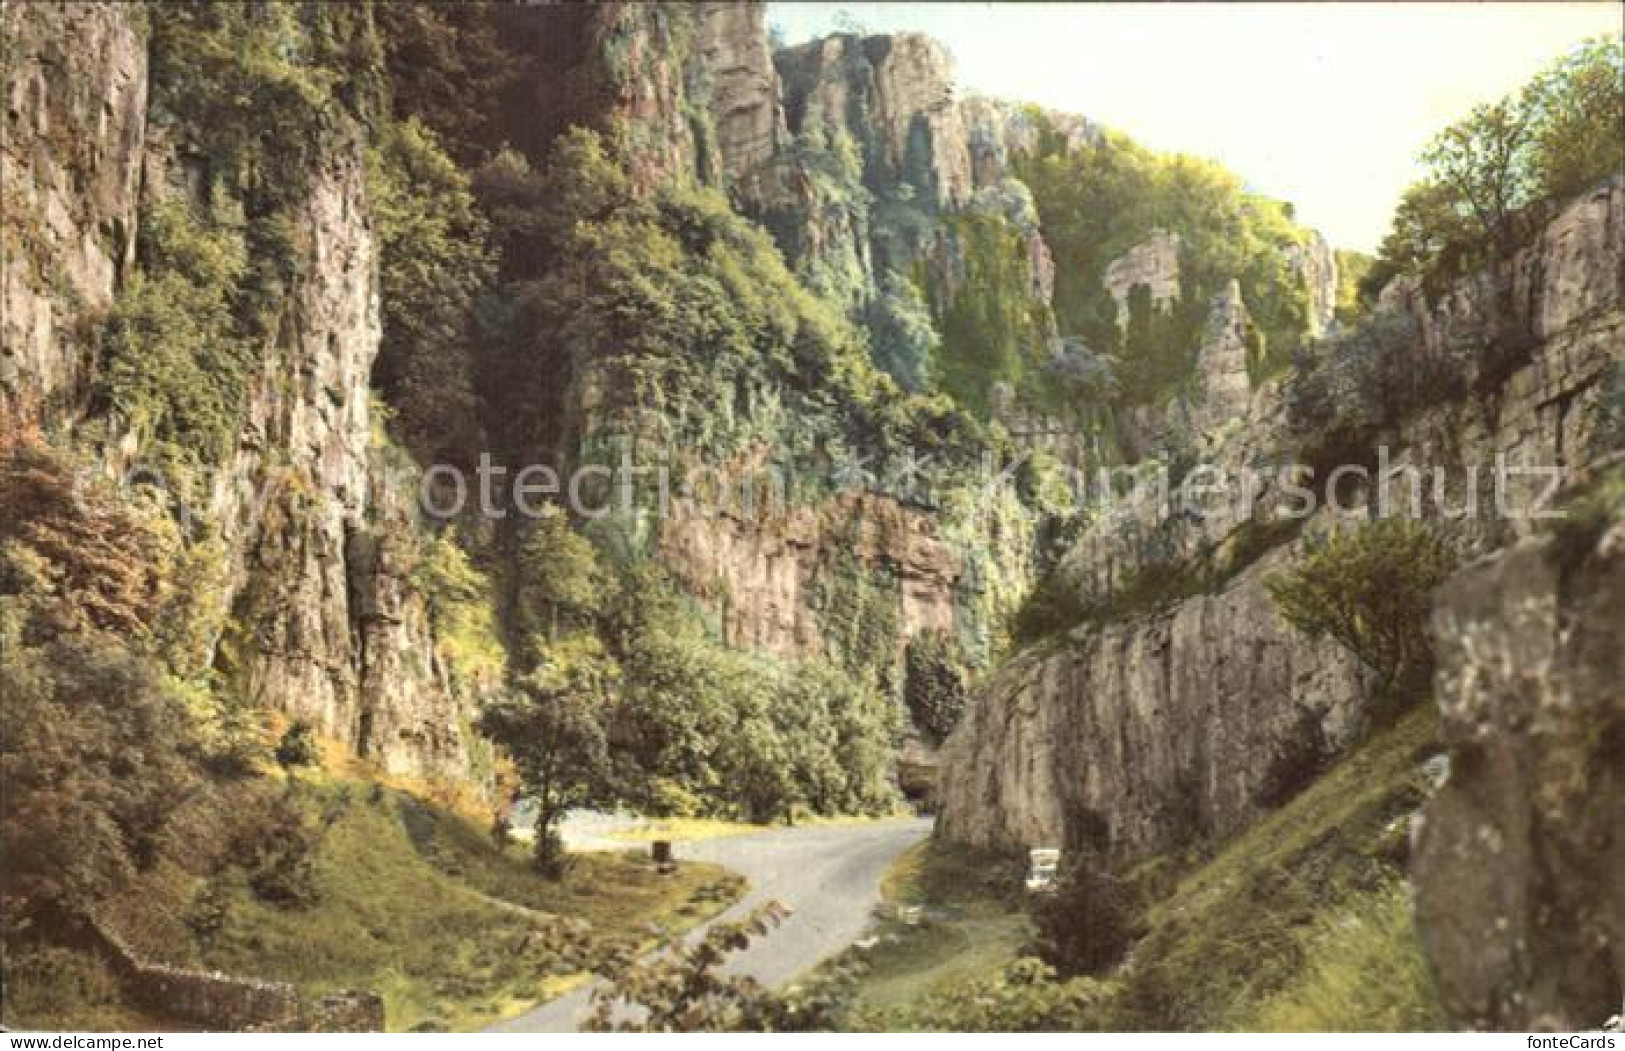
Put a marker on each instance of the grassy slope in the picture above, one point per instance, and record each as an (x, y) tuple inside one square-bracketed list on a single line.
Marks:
[(411, 905), (411, 899), (969, 926), (1302, 923)]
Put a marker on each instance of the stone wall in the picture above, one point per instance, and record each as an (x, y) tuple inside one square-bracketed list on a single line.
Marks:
[(226, 1003)]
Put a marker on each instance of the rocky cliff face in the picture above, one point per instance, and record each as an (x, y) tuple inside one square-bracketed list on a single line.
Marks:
[(333, 630), (743, 91), (1315, 264), (764, 576), (318, 615), (1150, 730), (1520, 857), (1146, 736), (75, 120), (1152, 264), (894, 96)]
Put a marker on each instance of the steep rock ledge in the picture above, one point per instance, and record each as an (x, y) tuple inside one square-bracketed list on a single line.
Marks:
[(324, 621), (1145, 736)]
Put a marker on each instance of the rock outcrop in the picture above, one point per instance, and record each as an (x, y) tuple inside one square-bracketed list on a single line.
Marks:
[(764, 575), (1520, 857), (743, 92), (1315, 264), (317, 611), (1149, 735), (1153, 263), (1221, 364), (70, 175), (893, 95)]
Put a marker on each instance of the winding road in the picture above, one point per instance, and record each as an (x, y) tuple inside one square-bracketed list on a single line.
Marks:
[(829, 875)]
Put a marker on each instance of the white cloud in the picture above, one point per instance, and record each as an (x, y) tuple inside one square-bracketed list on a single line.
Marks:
[(1325, 105)]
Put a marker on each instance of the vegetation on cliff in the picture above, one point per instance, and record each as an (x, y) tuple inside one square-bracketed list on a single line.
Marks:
[(1488, 173), (1098, 199)]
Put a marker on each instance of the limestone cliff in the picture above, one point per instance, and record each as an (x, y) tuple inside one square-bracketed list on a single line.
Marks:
[(1137, 735), (316, 614), (70, 173), (1152, 264)]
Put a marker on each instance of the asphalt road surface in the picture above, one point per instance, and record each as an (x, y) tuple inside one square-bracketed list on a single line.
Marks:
[(829, 875)]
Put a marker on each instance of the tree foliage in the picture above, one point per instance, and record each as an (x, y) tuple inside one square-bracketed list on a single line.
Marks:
[(1557, 136), (934, 684), (93, 762), (434, 263), (552, 722), (1099, 198), (683, 989), (1370, 588)]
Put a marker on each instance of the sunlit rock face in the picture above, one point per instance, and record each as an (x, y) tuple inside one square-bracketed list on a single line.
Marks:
[(1154, 264)]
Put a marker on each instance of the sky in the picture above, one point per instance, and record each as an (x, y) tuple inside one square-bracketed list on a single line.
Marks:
[(1323, 105)]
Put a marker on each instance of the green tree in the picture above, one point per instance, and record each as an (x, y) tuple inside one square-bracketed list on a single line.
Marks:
[(1370, 588), (561, 585), (435, 260), (552, 722), (1483, 163), (1558, 136), (1577, 110)]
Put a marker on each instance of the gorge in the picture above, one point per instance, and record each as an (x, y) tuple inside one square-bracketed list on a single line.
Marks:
[(270, 268)]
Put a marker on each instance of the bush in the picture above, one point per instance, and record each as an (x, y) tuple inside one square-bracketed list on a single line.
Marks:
[(1370, 588), (298, 747), (1085, 925), (92, 763), (934, 683)]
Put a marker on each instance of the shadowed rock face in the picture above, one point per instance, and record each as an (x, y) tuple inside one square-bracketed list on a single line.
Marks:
[(1520, 857)]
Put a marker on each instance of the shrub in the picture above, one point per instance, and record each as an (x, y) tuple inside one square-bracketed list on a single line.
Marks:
[(92, 763), (934, 683), (298, 747), (684, 989), (1370, 589), (1085, 925)]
